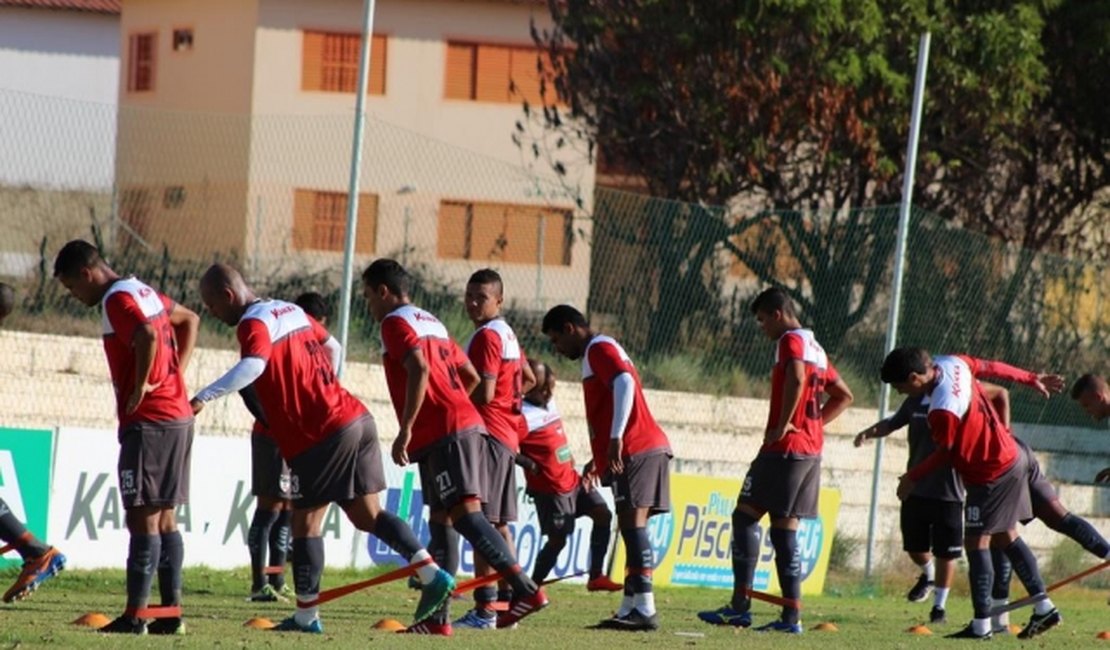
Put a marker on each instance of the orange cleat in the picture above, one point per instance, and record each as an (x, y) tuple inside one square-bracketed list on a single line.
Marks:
[(603, 583), (35, 572)]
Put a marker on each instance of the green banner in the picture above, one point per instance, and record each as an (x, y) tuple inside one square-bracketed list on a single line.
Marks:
[(26, 458)]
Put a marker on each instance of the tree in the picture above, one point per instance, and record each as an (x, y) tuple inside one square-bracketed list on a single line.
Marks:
[(796, 104)]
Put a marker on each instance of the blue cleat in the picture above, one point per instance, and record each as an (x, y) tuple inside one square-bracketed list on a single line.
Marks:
[(781, 626), (434, 594), (726, 616), (291, 625)]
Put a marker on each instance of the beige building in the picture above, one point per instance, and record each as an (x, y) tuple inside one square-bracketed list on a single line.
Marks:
[(235, 128)]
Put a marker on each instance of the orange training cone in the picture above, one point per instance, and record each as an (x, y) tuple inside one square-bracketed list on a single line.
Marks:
[(920, 630), (95, 620), (389, 625), (826, 627), (260, 623)]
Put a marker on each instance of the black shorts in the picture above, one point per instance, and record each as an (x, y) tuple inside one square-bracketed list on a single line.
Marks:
[(499, 502), (645, 483), (557, 512), (269, 471), (998, 506), (453, 469), (1041, 491), (154, 459), (783, 486), (344, 466), (932, 524)]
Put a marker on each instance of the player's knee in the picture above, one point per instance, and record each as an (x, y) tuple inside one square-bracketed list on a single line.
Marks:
[(601, 516), (556, 541)]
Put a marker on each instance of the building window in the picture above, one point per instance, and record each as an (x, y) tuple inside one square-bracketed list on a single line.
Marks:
[(140, 62), (497, 73), (320, 221), (504, 232), (330, 62), (182, 39)]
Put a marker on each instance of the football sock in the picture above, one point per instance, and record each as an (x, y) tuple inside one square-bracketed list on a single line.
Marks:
[(548, 555), (396, 534), (281, 536), (143, 555), (640, 563), (485, 539), (788, 564), (1025, 566), (171, 558), (1085, 534), (308, 566), (599, 544), (980, 573), (12, 531), (257, 540), (745, 554)]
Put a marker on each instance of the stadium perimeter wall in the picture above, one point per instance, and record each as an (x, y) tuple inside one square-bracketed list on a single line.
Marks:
[(56, 381)]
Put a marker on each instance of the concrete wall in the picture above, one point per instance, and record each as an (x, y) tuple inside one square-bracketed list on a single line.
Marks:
[(52, 380)]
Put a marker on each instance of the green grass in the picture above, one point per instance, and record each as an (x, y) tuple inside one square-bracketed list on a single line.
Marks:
[(868, 617)]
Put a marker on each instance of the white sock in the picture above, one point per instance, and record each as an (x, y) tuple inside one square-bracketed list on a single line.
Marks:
[(426, 573), (305, 615), (644, 602), (930, 570), (980, 625), (1003, 619), (627, 603), (1043, 607), (940, 597)]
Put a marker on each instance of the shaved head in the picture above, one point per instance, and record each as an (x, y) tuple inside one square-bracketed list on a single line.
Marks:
[(225, 293), (7, 300)]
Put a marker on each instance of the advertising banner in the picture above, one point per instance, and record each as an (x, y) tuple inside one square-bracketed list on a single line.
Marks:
[(87, 517), (25, 462), (692, 543)]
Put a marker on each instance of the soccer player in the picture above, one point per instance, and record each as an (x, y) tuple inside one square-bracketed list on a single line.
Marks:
[(785, 477), (430, 380), (496, 355), (325, 434), (971, 436), (561, 495), (1093, 394), (40, 562), (932, 516), (630, 452), (148, 340), (270, 525)]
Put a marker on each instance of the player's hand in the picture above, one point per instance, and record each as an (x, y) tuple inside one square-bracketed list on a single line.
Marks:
[(861, 437), (1047, 384), (400, 448), (905, 487), (196, 405), (590, 479), (137, 396), (1103, 476), (774, 434), (616, 464)]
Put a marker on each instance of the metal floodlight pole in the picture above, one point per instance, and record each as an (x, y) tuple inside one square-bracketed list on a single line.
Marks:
[(352, 190), (899, 273)]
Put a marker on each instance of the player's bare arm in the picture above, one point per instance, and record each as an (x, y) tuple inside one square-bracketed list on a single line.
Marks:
[(840, 398), (1000, 399), (880, 429), (470, 378), (186, 324), (145, 343), (527, 378), (484, 392), (1103, 476), (416, 387), (793, 376)]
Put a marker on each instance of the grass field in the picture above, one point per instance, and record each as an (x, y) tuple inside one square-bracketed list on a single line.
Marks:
[(215, 610)]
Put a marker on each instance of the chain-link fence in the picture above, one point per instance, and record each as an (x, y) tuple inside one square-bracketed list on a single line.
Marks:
[(672, 281)]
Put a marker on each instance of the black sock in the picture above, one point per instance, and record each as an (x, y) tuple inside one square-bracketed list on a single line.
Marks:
[(12, 531), (143, 555), (484, 597), (1025, 566), (641, 560), (599, 545), (745, 555), (486, 540), (546, 558), (281, 538), (308, 564), (788, 563), (443, 544), (258, 537), (1002, 572), (396, 534), (169, 568), (980, 573), (1085, 534)]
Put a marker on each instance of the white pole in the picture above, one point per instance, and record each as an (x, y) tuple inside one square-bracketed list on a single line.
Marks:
[(899, 273), (352, 191)]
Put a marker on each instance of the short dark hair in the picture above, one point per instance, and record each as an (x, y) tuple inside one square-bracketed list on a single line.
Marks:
[(314, 304), (1088, 382), (902, 362), (7, 299), (390, 273), (74, 256), (772, 300), (559, 315), (486, 276)]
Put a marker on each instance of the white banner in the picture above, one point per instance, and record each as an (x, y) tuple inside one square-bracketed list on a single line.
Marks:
[(87, 517)]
